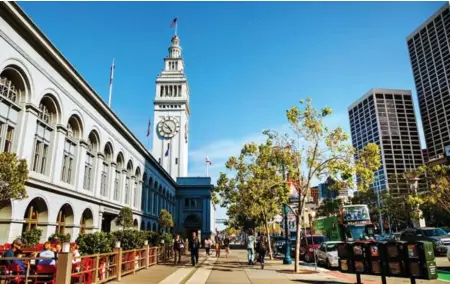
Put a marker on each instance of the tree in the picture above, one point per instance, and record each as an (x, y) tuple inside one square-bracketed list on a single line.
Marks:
[(323, 153), (329, 207), (13, 175), (125, 218), (254, 189), (165, 220), (438, 193)]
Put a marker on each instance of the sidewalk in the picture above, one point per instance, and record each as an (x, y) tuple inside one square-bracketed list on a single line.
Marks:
[(165, 273)]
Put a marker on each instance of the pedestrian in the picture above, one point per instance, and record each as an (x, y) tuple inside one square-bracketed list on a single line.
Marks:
[(251, 247), (208, 243), (178, 246), (194, 246), (262, 248), (15, 246), (226, 245), (218, 245)]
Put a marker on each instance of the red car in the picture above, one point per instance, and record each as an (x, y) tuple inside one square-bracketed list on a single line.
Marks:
[(308, 244)]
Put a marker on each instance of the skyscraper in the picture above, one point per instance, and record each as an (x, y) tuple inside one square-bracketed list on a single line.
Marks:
[(429, 51), (386, 117)]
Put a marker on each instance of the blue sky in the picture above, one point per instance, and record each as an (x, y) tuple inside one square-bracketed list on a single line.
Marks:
[(246, 62)]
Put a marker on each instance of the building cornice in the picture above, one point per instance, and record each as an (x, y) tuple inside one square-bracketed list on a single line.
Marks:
[(19, 20)]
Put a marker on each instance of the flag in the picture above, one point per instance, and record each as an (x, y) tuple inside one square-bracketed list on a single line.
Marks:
[(111, 74), (167, 152), (207, 160), (174, 22), (148, 128)]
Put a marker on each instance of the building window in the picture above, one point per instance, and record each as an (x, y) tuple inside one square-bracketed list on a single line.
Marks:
[(31, 218), (61, 222), (117, 185), (83, 225), (127, 190), (9, 139), (68, 161), (104, 179), (88, 166), (135, 194)]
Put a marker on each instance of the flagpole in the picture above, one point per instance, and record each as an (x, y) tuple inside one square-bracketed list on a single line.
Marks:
[(207, 166), (111, 84)]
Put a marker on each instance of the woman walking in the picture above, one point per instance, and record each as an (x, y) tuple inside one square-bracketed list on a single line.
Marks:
[(262, 248), (218, 246), (208, 243)]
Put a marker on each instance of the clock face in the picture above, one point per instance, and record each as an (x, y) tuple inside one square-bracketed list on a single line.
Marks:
[(168, 127)]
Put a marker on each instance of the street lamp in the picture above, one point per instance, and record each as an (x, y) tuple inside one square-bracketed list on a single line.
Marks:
[(380, 217), (287, 254)]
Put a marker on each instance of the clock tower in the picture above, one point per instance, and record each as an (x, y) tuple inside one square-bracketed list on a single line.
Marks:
[(171, 114)]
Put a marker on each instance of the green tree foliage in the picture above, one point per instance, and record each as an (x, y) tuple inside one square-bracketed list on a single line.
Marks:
[(329, 207), (320, 152), (13, 175), (31, 238), (439, 187), (125, 218), (165, 220), (98, 242), (130, 239), (254, 189), (59, 237)]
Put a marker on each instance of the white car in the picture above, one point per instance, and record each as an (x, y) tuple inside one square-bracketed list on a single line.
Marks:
[(327, 254), (448, 253)]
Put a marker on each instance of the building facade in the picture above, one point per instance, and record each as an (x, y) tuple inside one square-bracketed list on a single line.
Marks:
[(84, 163), (387, 118), (429, 51)]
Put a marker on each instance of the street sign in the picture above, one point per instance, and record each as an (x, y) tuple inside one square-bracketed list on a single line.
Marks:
[(221, 221), (293, 199)]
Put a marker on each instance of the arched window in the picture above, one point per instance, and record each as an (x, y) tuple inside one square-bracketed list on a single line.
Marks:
[(137, 187), (144, 194), (86, 221), (45, 130), (92, 149), (128, 182), (118, 178), (65, 217), (12, 92), (74, 133), (105, 169), (155, 199), (150, 196)]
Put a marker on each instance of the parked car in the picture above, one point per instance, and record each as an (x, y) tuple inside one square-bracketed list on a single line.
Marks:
[(327, 254), (308, 244), (447, 230), (437, 236)]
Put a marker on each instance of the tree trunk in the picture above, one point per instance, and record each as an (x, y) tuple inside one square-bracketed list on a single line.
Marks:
[(297, 242), (268, 238)]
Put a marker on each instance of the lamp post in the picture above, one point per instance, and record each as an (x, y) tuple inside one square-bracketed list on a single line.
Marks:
[(287, 254), (380, 217)]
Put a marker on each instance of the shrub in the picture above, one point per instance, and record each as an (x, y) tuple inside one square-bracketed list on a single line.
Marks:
[(125, 218), (31, 238), (154, 239), (130, 239), (98, 242), (60, 237), (167, 237)]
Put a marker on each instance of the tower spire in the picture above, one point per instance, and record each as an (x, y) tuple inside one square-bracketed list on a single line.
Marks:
[(175, 48)]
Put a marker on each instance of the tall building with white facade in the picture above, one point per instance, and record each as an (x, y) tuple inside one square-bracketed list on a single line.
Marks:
[(429, 51), (84, 163), (386, 117), (171, 114)]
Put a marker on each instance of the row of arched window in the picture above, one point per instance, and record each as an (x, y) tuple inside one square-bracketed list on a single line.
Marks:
[(113, 178)]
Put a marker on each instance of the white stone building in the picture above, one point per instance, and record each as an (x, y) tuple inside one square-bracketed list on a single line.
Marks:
[(84, 163)]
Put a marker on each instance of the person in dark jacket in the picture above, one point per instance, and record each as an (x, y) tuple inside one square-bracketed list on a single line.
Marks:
[(16, 245), (262, 248), (194, 245), (178, 246)]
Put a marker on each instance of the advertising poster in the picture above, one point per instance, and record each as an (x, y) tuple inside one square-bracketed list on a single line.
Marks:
[(359, 266), (374, 251), (394, 267), (392, 251), (376, 267)]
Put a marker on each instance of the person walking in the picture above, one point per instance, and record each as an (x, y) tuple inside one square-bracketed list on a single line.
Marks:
[(218, 245), (194, 245), (262, 248), (178, 246), (251, 247), (208, 243), (226, 245)]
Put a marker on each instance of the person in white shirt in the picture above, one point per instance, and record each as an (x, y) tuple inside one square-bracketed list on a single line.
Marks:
[(47, 253), (251, 240)]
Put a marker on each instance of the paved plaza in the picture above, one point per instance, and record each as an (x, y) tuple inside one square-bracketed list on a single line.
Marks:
[(234, 270)]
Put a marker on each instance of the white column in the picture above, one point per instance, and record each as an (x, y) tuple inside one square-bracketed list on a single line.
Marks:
[(99, 222), (25, 150), (80, 161), (97, 178)]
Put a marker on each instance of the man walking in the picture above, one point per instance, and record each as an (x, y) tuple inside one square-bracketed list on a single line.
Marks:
[(251, 247), (262, 248), (178, 246), (194, 245)]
